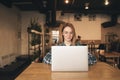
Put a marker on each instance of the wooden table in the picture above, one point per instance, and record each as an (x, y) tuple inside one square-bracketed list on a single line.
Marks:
[(98, 71), (113, 55)]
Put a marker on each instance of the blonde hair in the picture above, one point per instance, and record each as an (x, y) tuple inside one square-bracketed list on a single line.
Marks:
[(62, 27)]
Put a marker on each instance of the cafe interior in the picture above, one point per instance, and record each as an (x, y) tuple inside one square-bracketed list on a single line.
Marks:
[(31, 27)]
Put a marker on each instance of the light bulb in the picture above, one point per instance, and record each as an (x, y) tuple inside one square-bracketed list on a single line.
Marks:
[(66, 1), (106, 2), (86, 5)]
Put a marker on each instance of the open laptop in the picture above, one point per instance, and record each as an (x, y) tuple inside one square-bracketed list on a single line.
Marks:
[(69, 58)]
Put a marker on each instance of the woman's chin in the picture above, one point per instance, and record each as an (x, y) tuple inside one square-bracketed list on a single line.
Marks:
[(68, 40)]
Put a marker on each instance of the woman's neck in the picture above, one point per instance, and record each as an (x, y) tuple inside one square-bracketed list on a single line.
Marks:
[(67, 43)]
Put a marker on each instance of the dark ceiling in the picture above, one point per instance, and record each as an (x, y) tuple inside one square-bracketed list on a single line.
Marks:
[(95, 6)]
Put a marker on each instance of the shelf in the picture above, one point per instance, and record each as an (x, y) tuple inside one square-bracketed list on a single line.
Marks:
[(47, 39), (35, 46), (47, 34), (36, 32)]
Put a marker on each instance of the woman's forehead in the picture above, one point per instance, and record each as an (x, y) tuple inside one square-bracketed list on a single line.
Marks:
[(67, 29)]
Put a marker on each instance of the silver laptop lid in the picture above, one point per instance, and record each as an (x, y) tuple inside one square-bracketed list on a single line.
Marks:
[(69, 58)]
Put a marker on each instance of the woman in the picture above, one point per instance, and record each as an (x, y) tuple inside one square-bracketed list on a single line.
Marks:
[(67, 38)]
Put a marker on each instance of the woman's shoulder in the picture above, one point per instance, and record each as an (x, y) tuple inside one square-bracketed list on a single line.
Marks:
[(78, 44), (61, 44)]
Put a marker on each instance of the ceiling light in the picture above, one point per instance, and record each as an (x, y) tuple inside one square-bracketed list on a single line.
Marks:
[(106, 2), (44, 3), (86, 5), (66, 1)]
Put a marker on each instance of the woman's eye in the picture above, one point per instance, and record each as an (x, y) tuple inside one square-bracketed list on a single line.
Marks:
[(65, 32), (71, 32), (68, 32)]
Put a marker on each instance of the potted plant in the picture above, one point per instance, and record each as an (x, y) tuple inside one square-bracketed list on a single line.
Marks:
[(35, 25)]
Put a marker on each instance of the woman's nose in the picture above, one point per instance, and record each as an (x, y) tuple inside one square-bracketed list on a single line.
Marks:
[(69, 35)]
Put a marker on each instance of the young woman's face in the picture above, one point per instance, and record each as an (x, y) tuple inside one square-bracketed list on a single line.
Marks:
[(67, 34)]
